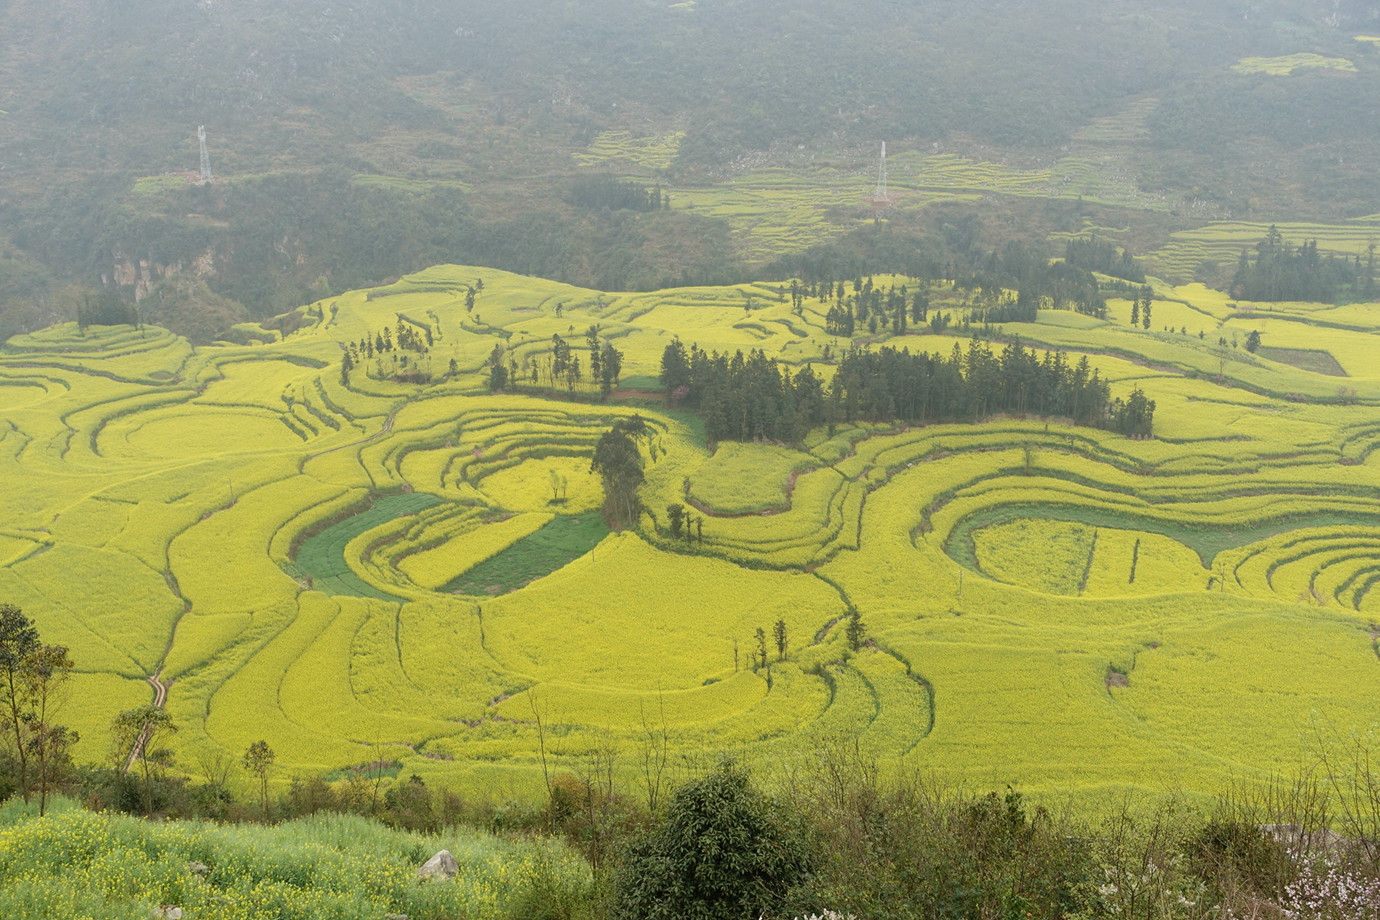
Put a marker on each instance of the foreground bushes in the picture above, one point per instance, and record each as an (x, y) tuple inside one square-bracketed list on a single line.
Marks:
[(722, 850), (823, 836)]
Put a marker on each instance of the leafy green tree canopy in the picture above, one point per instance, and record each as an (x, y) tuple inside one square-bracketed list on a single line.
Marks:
[(722, 852)]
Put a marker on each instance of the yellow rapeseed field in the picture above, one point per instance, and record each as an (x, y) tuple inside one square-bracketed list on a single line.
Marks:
[(1055, 607)]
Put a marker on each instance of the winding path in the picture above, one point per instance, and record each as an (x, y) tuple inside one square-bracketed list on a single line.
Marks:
[(160, 696)]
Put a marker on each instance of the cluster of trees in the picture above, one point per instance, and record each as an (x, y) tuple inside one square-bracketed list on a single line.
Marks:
[(1141, 307), (609, 192), (854, 633), (955, 250), (1039, 282), (891, 385), (411, 337), (683, 524), (746, 398), (1105, 258), (561, 367), (868, 306), (743, 398), (990, 279), (106, 308), (1284, 272)]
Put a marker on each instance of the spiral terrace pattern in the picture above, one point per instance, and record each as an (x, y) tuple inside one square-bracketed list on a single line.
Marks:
[(336, 567)]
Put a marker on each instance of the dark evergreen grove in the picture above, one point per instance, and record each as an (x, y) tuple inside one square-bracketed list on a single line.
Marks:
[(750, 397), (1284, 272)]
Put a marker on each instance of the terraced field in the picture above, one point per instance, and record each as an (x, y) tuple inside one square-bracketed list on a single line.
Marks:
[(1288, 63), (781, 203), (655, 152), (420, 567), (775, 209), (1223, 242)]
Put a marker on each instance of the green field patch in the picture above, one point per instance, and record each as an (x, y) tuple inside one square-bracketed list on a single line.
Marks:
[(655, 151), (401, 184), (154, 186), (1204, 539), (1319, 362), (1044, 554), (1286, 64), (322, 555), (747, 478), (437, 566), (554, 546)]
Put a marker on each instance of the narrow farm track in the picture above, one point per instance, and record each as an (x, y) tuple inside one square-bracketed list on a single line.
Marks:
[(382, 432), (160, 696)]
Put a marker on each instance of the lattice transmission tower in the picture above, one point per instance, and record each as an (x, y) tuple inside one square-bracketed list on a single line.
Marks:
[(880, 194), (205, 176), (879, 199)]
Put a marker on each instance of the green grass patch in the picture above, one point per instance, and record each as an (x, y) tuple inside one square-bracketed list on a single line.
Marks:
[(401, 184), (554, 546), (322, 556), (149, 186), (1043, 554), (1286, 64), (75, 863), (1319, 362), (1206, 540)]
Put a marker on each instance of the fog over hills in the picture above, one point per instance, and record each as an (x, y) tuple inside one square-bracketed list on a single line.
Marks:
[(356, 142)]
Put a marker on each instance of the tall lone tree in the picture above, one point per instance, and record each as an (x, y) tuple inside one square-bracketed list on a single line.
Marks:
[(48, 670), (258, 760), (618, 461), (18, 644), (33, 678), (778, 633)]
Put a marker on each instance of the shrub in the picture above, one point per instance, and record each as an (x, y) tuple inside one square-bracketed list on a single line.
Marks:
[(722, 852), (915, 851), (1236, 856)]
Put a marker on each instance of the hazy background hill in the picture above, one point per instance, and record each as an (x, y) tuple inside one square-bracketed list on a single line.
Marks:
[(354, 143)]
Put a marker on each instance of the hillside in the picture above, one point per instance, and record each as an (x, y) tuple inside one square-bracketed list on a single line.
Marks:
[(353, 145), (402, 565)]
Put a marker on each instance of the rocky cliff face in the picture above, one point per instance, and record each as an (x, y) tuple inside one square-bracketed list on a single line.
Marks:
[(142, 274)]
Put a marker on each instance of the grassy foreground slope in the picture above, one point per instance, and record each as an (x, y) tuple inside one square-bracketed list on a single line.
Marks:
[(80, 864), (1048, 606)]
